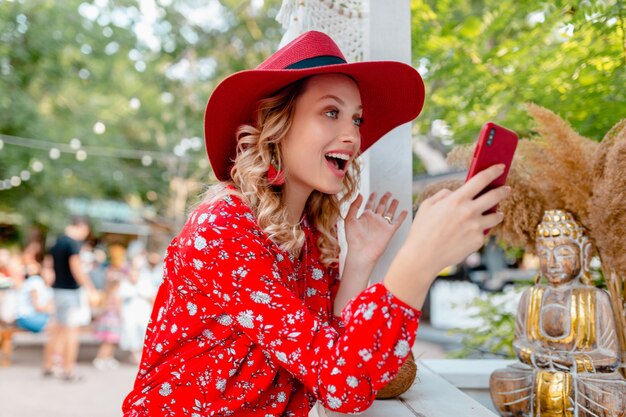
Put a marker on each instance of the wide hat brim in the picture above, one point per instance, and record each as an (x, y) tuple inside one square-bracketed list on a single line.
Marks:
[(392, 93)]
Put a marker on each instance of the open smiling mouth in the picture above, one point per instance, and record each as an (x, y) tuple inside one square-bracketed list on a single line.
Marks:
[(338, 160)]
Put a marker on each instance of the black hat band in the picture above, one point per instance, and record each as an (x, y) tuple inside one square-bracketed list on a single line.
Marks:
[(317, 61)]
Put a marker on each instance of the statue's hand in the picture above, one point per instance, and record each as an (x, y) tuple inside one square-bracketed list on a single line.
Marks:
[(540, 360), (562, 362), (551, 359)]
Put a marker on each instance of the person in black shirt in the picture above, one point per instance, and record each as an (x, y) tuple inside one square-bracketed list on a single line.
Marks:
[(69, 302)]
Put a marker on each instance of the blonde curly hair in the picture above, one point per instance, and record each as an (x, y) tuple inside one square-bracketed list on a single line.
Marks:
[(259, 146)]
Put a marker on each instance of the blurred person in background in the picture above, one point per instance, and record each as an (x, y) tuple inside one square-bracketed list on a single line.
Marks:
[(11, 279), (153, 269), (108, 324), (34, 297), (137, 293), (97, 271), (5, 257), (71, 307)]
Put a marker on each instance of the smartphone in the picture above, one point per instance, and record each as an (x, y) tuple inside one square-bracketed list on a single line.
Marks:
[(495, 145)]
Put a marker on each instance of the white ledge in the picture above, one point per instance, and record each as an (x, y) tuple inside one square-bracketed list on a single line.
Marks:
[(467, 373), (430, 396)]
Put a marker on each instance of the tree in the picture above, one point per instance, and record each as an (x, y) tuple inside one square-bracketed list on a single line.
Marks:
[(120, 78), (483, 60)]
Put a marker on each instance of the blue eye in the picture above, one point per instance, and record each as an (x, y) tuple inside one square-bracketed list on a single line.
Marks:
[(358, 121), (332, 114)]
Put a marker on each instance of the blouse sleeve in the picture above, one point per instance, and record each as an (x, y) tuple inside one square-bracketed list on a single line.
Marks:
[(335, 321), (229, 263)]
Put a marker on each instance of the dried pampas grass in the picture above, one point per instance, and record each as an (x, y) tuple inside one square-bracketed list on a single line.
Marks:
[(434, 188), (523, 211), (607, 209), (607, 205), (460, 156), (604, 148), (562, 161)]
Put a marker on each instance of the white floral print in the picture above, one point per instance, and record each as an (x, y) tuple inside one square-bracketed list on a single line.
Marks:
[(166, 389), (402, 349), (245, 319), (260, 297), (199, 243), (192, 308)]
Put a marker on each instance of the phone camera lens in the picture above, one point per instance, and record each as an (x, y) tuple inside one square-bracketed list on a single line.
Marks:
[(492, 134)]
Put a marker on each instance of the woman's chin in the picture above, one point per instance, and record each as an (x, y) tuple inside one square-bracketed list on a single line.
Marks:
[(330, 189)]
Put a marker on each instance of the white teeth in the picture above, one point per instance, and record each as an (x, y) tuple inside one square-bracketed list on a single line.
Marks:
[(338, 155)]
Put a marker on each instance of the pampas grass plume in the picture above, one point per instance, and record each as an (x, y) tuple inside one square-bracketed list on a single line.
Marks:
[(566, 162), (607, 205)]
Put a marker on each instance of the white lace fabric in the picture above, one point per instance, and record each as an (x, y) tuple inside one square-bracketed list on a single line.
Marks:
[(342, 20)]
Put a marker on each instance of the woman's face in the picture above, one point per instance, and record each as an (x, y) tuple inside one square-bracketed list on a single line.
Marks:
[(324, 136)]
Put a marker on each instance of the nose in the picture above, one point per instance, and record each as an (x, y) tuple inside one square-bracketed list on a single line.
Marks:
[(552, 260), (349, 133)]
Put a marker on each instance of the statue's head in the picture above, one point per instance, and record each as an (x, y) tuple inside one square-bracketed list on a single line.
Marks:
[(562, 247)]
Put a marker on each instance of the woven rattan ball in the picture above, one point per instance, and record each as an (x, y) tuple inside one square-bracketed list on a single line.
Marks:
[(402, 382)]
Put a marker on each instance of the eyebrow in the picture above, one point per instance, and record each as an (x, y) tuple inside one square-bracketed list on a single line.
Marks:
[(338, 100)]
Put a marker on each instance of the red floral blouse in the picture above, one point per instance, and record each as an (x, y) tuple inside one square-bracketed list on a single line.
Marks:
[(240, 328)]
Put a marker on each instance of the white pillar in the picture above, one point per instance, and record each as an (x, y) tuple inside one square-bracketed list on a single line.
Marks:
[(387, 166)]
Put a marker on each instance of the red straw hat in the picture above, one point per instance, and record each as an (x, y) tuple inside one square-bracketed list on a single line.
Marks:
[(392, 93)]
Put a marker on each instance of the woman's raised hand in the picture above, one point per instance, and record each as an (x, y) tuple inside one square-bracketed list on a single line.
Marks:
[(369, 234), (447, 227)]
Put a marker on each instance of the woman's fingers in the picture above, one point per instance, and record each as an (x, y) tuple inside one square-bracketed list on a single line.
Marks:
[(398, 221), (438, 196), (491, 220), (370, 202), (479, 181), (490, 199), (391, 211), (383, 208), (382, 204), (354, 207)]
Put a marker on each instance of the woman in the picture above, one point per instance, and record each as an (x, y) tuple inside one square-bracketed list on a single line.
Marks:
[(34, 302), (253, 318)]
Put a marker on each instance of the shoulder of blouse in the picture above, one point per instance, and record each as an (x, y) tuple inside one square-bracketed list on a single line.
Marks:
[(222, 212), (228, 217)]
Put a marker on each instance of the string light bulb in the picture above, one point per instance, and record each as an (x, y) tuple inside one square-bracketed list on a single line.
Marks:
[(37, 165)]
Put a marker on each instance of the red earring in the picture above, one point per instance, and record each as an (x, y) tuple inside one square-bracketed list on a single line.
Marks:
[(275, 176)]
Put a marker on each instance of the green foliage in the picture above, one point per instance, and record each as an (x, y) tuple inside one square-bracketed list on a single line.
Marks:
[(494, 336), (483, 60)]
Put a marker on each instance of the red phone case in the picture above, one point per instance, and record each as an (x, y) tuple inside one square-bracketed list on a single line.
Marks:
[(499, 150)]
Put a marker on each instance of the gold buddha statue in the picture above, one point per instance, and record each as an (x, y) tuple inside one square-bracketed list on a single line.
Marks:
[(565, 336)]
